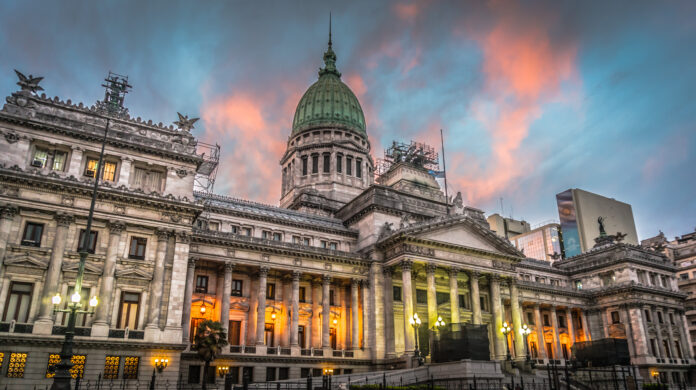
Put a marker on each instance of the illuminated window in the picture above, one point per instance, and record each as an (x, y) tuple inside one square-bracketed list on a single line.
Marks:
[(2, 358), (109, 169), (130, 367), (53, 360), (78, 368), (18, 362), (111, 366), (148, 180), (270, 291), (202, 284), (40, 158), (128, 311)]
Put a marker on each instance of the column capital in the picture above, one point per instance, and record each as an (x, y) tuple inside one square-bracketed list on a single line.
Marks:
[(116, 227), (512, 281), (326, 279), (453, 272), (183, 237), (192, 262), (263, 271), (553, 308), (406, 265), (162, 235), (355, 282), (229, 266), (387, 271), (536, 305), (8, 211), (430, 268), (296, 275), (494, 278), (365, 283), (64, 220)]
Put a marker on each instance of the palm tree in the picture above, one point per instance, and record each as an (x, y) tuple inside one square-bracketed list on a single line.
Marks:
[(210, 338)]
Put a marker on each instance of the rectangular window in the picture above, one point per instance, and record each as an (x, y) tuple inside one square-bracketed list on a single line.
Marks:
[(32, 234), (333, 246), (277, 237), (463, 301), (18, 362), (397, 293), (315, 163), (128, 310), (546, 320), (236, 288), (442, 297), (349, 165), (304, 165), (109, 169), (615, 317), (327, 163), (59, 159), (269, 330), (214, 226), (137, 248), (111, 367), (296, 240), (302, 293), (233, 229), (331, 297), (270, 291), (561, 321), (304, 372), (323, 244), (55, 159), (246, 231), (266, 235), (202, 284), (358, 167), (483, 301), (40, 158), (283, 373), (530, 318), (339, 163), (91, 245), (301, 335), (194, 374), (17, 306), (659, 317), (130, 367), (671, 318), (53, 360), (647, 316), (235, 332), (306, 241), (421, 296), (270, 374)]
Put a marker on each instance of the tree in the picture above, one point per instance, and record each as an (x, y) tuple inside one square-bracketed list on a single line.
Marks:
[(210, 338)]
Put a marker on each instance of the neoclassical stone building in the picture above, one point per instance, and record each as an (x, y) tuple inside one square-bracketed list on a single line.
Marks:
[(328, 280)]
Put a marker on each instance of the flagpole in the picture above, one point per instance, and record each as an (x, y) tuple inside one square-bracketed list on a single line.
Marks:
[(444, 169)]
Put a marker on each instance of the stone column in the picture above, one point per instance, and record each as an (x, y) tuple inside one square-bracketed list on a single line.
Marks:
[(179, 276), (670, 336), (516, 320), (226, 294), (315, 341), (325, 312), (585, 326), (376, 310), (100, 327), (454, 296), (558, 353), (658, 331), (294, 332), (497, 310), (367, 342), (50, 287), (157, 285), (188, 292), (354, 313), (7, 213), (639, 330), (626, 321), (539, 324), (685, 336), (409, 334), (261, 308), (475, 298), (569, 326), (432, 294)]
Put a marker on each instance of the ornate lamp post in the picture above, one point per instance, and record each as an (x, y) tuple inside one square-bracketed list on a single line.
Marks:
[(506, 330), (112, 106), (439, 323), (525, 332), (416, 323)]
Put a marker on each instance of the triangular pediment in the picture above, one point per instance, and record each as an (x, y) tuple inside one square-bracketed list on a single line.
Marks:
[(458, 231), (133, 273), (74, 266), (26, 260)]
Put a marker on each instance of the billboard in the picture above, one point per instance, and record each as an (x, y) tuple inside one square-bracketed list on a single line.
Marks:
[(569, 223)]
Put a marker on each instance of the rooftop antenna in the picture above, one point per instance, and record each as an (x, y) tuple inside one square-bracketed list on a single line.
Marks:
[(502, 211), (444, 169), (329, 29)]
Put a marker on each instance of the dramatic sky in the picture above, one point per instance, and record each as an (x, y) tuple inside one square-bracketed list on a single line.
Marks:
[(533, 97)]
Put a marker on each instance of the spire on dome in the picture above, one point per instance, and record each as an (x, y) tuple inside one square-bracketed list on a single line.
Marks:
[(329, 58)]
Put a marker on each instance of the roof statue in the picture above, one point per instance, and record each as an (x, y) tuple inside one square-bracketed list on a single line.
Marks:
[(555, 255), (604, 238), (620, 236), (184, 123), (29, 83), (602, 232)]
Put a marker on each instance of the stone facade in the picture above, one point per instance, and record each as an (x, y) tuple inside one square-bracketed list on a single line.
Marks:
[(328, 281)]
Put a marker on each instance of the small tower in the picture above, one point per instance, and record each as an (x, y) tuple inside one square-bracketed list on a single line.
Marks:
[(327, 162)]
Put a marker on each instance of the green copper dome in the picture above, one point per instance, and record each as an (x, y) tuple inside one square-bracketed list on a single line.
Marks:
[(329, 102)]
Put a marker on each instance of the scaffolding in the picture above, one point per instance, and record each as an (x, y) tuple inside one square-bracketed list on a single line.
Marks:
[(414, 153), (207, 171)]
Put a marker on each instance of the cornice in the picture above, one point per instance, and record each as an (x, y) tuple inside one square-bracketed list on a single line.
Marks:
[(407, 239), (85, 342), (242, 357)]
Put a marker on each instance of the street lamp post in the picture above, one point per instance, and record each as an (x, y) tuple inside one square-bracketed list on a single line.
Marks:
[(116, 89), (506, 330), (416, 323), (525, 332)]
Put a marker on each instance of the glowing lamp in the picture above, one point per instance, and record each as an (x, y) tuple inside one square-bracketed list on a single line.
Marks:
[(75, 298), (335, 321), (161, 364), (202, 309), (94, 301), (56, 299)]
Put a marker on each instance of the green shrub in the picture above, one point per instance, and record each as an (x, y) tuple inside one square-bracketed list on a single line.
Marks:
[(412, 387), (655, 386)]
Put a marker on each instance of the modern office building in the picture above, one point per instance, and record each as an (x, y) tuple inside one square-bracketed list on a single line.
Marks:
[(507, 227), (578, 211), (329, 280), (542, 243)]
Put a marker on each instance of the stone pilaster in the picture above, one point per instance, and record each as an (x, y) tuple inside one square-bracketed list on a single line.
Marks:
[(188, 294), (658, 332), (570, 327), (261, 308), (354, 314), (454, 296), (101, 325), (377, 310), (475, 297), (628, 328), (539, 324), (44, 324), (407, 292), (157, 284), (518, 338), (586, 326), (670, 335), (640, 332), (497, 310), (389, 344), (432, 294), (325, 312), (685, 336), (295, 320), (315, 340), (7, 214), (367, 314), (180, 281), (557, 351), (226, 293)]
